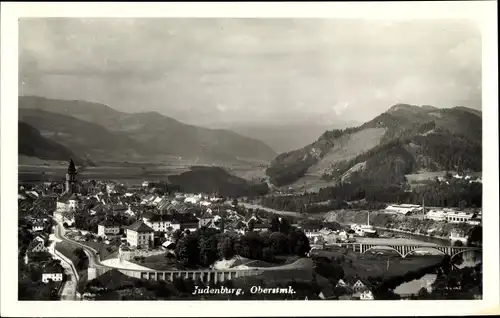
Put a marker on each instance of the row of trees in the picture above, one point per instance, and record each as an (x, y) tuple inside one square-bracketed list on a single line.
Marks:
[(454, 193), (204, 247)]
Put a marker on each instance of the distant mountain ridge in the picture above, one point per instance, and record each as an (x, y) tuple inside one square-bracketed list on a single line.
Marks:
[(405, 139), (127, 136), (31, 143)]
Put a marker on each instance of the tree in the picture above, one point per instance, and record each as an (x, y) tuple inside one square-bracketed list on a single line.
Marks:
[(423, 293), (227, 248), (284, 226), (208, 248), (279, 242), (299, 243), (188, 251), (177, 235), (475, 236), (275, 224)]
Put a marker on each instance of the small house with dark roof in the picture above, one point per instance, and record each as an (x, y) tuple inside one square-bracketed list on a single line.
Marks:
[(327, 293), (38, 225), (140, 235), (107, 228), (205, 219), (62, 200), (37, 246), (52, 273)]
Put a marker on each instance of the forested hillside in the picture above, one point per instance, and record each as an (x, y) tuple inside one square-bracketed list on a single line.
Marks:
[(406, 139)]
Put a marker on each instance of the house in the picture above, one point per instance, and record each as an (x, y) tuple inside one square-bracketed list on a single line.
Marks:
[(358, 286), (107, 228), (326, 293), (161, 222), (341, 284), (459, 217), (311, 230), (187, 221), (62, 201), (37, 246), (205, 219), (169, 247), (258, 227), (404, 209), (73, 202), (38, 225), (436, 215), (140, 235), (366, 295), (52, 273), (98, 209)]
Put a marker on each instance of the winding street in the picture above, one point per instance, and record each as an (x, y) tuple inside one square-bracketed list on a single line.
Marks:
[(94, 259)]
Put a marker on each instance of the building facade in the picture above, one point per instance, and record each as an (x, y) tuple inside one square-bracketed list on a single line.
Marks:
[(140, 235)]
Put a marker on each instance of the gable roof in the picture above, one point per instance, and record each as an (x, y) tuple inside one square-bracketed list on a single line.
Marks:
[(109, 223), (34, 244), (206, 215), (64, 197), (140, 226)]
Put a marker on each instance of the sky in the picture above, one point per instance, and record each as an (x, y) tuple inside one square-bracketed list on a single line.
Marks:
[(213, 71)]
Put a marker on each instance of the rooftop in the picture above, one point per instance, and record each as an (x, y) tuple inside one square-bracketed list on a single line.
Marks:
[(140, 226)]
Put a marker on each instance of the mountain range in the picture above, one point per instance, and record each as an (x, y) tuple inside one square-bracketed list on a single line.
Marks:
[(97, 132), (31, 143), (289, 136), (403, 140)]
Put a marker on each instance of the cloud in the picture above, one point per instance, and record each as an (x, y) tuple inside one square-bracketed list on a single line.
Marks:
[(258, 69)]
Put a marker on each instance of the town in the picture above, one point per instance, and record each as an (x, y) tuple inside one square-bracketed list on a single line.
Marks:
[(74, 234)]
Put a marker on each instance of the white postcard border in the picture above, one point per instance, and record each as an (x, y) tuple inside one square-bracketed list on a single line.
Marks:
[(483, 12)]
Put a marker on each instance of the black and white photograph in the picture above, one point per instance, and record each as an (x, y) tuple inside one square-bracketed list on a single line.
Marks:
[(254, 158)]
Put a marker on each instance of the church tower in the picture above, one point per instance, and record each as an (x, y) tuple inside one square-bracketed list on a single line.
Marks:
[(71, 177)]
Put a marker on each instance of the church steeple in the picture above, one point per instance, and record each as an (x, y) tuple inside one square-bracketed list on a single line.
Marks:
[(71, 177), (71, 167)]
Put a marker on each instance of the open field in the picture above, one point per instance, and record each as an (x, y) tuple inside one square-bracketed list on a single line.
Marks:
[(105, 251), (36, 170), (157, 262)]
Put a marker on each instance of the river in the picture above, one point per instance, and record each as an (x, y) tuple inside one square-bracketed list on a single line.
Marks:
[(414, 286)]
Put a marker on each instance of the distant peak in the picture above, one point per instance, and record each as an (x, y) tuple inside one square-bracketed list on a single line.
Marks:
[(401, 106)]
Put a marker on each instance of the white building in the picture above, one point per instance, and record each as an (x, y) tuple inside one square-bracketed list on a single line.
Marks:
[(106, 229), (38, 226), (52, 273), (366, 295), (404, 209), (73, 202), (140, 235), (436, 215), (110, 188), (161, 223), (459, 217)]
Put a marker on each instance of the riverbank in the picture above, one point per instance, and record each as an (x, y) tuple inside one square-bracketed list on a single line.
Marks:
[(398, 223), (412, 233)]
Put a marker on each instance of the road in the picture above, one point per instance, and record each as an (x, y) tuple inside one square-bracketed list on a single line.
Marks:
[(285, 213), (68, 291), (94, 259)]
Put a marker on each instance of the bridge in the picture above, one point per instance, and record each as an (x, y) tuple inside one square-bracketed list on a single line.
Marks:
[(403, 249), (206, 276)]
